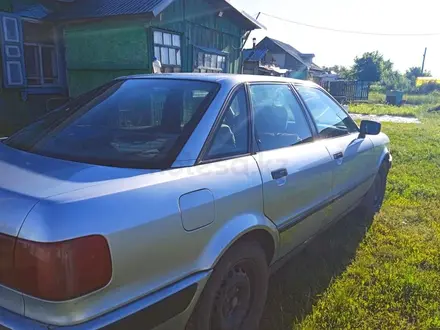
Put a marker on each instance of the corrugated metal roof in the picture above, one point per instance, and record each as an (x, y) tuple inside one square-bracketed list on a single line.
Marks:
[(88, 9), (316, 67), (254, 55), (290, 50), (82, 9)]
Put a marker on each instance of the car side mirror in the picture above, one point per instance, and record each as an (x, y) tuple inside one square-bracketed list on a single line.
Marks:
[(369, 127)]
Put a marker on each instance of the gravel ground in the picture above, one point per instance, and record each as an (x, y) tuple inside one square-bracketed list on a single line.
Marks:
[(386, 118)]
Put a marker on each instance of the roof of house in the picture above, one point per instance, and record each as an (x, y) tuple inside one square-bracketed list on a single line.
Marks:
[(82, 9), (89, 9), (291, 51), (316, 67), (35, 11), (254, 55)]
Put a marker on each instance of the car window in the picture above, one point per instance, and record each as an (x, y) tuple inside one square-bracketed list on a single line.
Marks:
[(138, 123), (330, 119), (231, 137), (279, 118)]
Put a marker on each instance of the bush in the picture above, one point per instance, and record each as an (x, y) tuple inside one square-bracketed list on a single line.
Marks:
[(429, 88)]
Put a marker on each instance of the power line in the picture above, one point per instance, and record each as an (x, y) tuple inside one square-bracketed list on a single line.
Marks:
[(353, 31)]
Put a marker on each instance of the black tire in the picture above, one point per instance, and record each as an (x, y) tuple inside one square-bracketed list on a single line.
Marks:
[(235, 295), (374, 199)]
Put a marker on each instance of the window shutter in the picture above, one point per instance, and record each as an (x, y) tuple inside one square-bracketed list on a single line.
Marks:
[(12, 51)]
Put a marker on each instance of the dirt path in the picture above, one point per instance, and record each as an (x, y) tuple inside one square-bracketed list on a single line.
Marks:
[(386, 118)]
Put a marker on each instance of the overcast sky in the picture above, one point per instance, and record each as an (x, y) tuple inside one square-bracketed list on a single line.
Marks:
[(378, 16)]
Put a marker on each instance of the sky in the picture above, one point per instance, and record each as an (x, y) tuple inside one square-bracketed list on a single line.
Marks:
[(376, 16)]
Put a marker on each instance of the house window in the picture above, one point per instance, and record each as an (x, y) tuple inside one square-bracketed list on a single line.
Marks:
[(210, 62), (40, 54), (167, 49)]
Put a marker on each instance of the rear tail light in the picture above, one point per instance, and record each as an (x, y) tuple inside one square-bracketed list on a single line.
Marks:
[(6, 259), (59, 271)]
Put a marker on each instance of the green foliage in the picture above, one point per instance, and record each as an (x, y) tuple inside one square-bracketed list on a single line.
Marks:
[(430, 99), (342, 71), (416, 71), (395, 80), (377, 88), (429, 88), (372, 66), (369, 66)]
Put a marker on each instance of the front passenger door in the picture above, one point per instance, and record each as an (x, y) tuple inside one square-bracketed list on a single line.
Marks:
[(295, 169), (353, 169)]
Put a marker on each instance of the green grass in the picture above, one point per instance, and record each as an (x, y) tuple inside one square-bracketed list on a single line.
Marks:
[(379, 275), (433, 98), (376, 97), (412, 99)]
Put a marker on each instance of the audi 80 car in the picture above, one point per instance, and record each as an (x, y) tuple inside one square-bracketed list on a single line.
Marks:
[(163, 201)]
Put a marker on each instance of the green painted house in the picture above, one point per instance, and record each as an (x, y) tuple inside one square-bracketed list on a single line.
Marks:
[(54, 49)]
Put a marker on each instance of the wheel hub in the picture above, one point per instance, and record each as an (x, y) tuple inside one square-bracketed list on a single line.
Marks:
[(233, 300)]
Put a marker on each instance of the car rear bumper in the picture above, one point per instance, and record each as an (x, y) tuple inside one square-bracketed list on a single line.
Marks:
[(168, 308)]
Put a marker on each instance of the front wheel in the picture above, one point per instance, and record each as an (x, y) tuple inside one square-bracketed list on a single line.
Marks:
[(235, 295), (374, 199)]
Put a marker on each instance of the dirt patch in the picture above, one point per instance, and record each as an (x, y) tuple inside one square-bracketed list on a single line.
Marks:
[(386, 118)]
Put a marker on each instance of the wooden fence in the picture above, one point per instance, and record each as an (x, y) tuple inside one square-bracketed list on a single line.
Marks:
[(348, 91)]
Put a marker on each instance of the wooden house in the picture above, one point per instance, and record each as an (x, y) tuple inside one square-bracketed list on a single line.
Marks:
[(53, 49)]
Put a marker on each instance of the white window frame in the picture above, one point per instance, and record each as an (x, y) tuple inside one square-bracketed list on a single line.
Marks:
[(161, 45), (204, 67), (40, 60), (7, 39), (55, 65)]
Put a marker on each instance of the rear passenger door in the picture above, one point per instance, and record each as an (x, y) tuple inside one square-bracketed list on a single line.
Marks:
[(353, 164), (295, 169)]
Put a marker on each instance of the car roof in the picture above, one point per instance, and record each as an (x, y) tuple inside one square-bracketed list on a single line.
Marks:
[(219, 78)]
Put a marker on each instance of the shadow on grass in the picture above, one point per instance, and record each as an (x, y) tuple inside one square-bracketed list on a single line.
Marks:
[(296, 287)]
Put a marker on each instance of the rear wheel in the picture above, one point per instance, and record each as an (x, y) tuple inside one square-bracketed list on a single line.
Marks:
[(235, 295)]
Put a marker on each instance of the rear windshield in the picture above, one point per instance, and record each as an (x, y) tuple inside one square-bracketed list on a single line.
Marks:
[(138, 123)]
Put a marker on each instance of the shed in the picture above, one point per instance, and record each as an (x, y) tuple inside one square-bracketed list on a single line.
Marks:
[(286, 57)]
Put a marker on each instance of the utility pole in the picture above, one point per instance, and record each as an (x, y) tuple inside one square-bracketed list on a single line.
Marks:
[(424, 57)]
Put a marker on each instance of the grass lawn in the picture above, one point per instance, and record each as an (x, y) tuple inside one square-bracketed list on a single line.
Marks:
[(381, 274), (414, 99)]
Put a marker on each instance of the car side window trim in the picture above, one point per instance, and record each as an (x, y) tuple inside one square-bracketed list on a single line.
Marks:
[(208, 143), (306, 113), (253, 142), (295, 85), (310, 123)]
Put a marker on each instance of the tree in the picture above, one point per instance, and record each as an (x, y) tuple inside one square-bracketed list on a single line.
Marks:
[(342, 71), (395, 80), (412, 73), (370, 66), (416, 71)]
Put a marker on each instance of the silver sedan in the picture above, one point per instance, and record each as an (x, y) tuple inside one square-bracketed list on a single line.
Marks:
[(163, 201)]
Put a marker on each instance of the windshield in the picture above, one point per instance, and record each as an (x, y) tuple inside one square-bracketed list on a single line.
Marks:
[(140, 123)]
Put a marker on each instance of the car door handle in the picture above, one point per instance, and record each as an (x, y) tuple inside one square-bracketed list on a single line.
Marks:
[(278, 174), (338, 155)]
